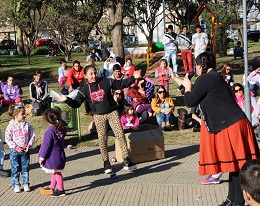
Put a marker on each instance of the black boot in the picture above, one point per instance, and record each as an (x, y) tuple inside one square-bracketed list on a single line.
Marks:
[(107, 167), (128, 165)]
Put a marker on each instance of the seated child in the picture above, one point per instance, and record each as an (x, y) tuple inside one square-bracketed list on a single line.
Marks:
[(129, 119), (249, 180), (12, 92)]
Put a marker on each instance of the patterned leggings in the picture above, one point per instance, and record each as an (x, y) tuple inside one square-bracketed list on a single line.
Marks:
[(113, 119)]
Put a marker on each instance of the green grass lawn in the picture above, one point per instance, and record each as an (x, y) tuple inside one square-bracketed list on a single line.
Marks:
[(22, 72)]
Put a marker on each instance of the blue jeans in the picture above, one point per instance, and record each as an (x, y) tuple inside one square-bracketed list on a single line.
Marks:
[(171, 55), (103, 71), (161, 117), (2, 152), (19, 162)]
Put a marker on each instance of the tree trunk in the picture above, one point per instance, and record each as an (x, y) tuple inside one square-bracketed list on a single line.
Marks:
[(20, 45), (116, 11), (117, 39), (28, 55)]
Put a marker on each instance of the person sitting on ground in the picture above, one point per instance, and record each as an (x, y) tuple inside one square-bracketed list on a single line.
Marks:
[(1, 92), (163, 107), (194, 119), (149, 87), (117, 74), (250, 182), (163, 74), (226, 72), (119, 98), (75, 76), (108, 66), (129, 119), (93, 55), (238, 90), (38, 90), (63, 72), (12, 92), (238, 51), (139, 99), (128, 69), (253, 79)]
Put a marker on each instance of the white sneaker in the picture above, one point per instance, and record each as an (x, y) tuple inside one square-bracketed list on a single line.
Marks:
[(17, 189), (26, 188)]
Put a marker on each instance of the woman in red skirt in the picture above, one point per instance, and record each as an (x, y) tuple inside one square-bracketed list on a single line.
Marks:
[(227, 138)]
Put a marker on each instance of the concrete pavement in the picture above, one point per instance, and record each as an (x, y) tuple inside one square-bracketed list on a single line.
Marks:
[(170, 181)]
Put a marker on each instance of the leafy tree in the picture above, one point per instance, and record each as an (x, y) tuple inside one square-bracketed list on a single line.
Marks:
[(144, 14), (71, 21)]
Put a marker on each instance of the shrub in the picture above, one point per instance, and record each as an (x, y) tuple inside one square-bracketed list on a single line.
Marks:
[(40, 51)]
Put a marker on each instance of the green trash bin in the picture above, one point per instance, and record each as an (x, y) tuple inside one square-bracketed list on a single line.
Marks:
[(69, 115), (158, 46)]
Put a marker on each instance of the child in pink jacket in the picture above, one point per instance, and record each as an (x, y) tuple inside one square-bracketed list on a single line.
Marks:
[(163, 74), (129, 119)]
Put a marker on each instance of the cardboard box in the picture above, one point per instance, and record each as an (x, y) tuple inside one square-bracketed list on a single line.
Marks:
[(143, 145)]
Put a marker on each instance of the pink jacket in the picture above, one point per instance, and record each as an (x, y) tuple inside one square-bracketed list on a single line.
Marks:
[(129, 121), (163, 74), (19, 135)]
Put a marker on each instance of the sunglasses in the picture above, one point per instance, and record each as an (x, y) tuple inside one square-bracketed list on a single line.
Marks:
[(118, 93), (160, 92), (238, 90)]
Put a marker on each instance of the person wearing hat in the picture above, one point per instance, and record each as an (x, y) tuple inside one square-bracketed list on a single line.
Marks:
[(199, 41), (107, 70), (170, 41)]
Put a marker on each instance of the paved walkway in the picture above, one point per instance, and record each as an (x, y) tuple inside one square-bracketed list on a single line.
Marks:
[(170, 181)]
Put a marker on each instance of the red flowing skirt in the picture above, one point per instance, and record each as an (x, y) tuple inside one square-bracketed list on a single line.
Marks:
[(227, 150)]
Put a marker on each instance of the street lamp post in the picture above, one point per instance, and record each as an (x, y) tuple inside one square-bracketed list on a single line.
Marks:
[(247, 95)]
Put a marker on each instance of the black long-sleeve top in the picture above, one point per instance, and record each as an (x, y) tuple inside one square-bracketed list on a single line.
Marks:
[(216, 102), (102, 106)]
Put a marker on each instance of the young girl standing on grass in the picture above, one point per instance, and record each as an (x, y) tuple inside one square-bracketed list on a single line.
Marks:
[(129, 118), (19, 136), (97, 92), (52, 156), (163, 74)]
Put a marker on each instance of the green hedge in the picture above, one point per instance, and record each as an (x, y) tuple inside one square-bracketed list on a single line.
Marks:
[(40, 51)]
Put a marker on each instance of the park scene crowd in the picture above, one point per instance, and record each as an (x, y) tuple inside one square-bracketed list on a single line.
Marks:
[(121, 98)]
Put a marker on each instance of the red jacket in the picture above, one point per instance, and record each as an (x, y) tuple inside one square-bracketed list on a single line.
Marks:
[(75, 77), (163, 74)]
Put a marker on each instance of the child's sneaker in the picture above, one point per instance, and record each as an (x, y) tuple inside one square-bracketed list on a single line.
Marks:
[(58, 193), (46, 191), (17, 189), (210, 180), (107, 167), (26, 188), (128, 165)]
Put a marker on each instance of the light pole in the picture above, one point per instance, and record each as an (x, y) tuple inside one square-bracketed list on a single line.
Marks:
[(247, 95)]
